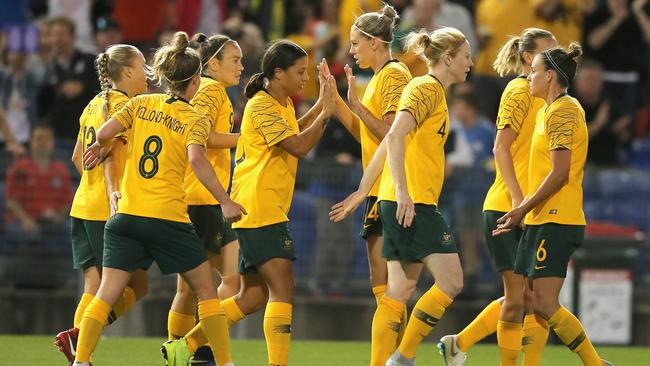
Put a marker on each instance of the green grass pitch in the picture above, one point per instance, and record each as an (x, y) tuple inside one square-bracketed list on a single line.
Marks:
[(114, 351)]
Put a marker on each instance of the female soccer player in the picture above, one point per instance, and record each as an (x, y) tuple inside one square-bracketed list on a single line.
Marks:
[(266, 161), (165, 132), (370, 119), (515, 124), (121, 71), (221, 59), (555, 222), (415, 148)]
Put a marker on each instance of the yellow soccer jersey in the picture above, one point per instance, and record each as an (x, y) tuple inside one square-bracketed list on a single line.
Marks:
[(91, 200), (561, 126), (517, 110), (424, 159), (381, 97), (265, 174), (162, 127), (211, 101)]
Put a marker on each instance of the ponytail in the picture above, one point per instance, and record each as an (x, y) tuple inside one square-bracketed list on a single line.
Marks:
[(508, 59), (255, 84)]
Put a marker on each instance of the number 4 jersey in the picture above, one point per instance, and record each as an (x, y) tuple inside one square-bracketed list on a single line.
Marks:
[(424, 159), (161, 128), (91, 201)]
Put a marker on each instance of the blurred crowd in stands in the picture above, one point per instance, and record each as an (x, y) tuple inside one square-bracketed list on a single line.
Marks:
[(47, 76)]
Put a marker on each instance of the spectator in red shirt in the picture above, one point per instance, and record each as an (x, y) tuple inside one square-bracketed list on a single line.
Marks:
[(39, 192)]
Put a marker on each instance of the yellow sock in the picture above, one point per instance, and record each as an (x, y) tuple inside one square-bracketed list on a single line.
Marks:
[(426, 314), (379, 292), (213, 323), (233, 312), (90, 329), (534, 340), (196, 338), (570, 331), (386, 326), (482, 326), (123, 305), (277, 332), (86, 298), (179, 324), (509, 340)]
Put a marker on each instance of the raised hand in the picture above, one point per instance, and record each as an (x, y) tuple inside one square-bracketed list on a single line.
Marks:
[(346, 207), (353, 98), (329, 96)]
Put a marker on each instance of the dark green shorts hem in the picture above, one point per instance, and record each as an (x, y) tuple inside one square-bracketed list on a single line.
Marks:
[(87, 238), (503, 248), (135, 242), (545, 250), (428, 234), (211, 227), (258, 245), (371, 222)]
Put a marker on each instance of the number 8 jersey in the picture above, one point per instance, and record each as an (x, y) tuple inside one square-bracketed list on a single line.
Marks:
[(162, 127), (91, 201)]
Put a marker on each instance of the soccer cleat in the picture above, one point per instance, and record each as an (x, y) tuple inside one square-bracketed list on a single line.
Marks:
[(607, 363), (176, 353), (448, 348), (397, 359), (203, 356), (66, 342)]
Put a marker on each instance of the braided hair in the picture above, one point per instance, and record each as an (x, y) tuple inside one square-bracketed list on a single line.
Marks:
[(109, 68)]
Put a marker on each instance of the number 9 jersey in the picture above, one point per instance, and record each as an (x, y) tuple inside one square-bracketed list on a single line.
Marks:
[(91, 201), (162, 127)]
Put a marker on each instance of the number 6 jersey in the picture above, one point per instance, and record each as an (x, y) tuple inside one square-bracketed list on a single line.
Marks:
[(91, 201), (162, 127)]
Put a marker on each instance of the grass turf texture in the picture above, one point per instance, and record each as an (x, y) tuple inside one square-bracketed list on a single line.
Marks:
[(114, 351)]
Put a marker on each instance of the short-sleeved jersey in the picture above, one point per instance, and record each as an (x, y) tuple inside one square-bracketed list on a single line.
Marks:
[(161, 128), (211, 101), (562, 126), (265, 174), (424, 158), (381, 97), (517, 110), (91, 200)]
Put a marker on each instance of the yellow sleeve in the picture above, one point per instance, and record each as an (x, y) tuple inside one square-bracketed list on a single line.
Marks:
[(270, 124), (560, 126), (199, 130), (391, 89), (514, 109), (125, 115), (421, 101), (208, 101)]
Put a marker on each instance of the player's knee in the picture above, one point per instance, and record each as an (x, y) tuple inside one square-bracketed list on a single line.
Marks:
[(205, 291), (544, 306), (230, 286), (401, 291), (452, 286)]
